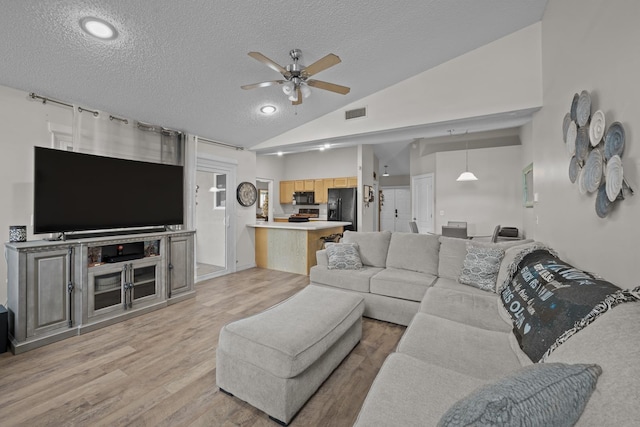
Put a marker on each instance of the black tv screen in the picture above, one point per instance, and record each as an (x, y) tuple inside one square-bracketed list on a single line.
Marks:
[(79, 192)]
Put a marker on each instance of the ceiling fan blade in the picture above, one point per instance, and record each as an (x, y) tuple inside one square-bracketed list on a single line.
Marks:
[(299, 100), (269, 63), (321, 64), (342, 90), (263, 84)]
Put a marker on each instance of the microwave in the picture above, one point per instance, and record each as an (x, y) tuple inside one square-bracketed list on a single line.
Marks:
[(304, 197)]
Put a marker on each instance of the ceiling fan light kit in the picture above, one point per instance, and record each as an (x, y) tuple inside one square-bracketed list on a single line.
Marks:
[(296, 83)]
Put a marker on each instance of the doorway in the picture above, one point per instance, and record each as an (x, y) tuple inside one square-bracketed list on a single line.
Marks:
[(422, 197), (395, 213), (214, 214), (264, 205)]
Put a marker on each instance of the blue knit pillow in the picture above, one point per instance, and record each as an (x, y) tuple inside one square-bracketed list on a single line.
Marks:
[(343, 256), (539, 395)]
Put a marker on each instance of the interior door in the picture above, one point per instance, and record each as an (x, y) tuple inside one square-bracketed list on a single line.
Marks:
[(215, 183), (422, 195), (396, 210)]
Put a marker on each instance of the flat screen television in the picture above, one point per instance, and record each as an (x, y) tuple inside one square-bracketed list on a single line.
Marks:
[(79, 192)]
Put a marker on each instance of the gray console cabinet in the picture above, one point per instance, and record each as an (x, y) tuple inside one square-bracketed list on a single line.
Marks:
[(180, 267), (55, 292)]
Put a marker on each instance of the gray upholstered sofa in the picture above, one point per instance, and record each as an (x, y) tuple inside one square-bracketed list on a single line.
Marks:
[(460, 337)]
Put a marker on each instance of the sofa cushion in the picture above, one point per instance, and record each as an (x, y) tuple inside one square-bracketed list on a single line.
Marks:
[(481, 265), (415, 252), (457, 286), (353, 280), (611, 342), (287, 338), (452, 254), (343, 256), (462, 348), (481, 311), (405, 284), (373, 246), (411, 392), (537, 395), (548, 300)]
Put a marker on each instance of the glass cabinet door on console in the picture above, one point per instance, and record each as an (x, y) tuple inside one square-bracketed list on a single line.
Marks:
[(122, 286)]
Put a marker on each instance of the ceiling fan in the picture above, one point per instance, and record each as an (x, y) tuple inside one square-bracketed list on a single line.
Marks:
[(296, 77)]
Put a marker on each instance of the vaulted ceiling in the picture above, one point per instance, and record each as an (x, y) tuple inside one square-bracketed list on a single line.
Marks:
[(181, 64)]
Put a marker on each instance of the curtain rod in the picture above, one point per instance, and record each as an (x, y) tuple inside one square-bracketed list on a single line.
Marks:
[(236, 147)]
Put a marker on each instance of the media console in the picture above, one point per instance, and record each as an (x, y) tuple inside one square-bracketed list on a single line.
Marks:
[(58, 289)]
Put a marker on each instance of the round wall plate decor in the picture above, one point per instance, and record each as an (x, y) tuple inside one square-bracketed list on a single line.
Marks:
[(565, 126), (582, 143), (583, 110), (593, 171), (603, 205), (572, 134), (614, 140), (246, 193), (597, 127), (615, 176)]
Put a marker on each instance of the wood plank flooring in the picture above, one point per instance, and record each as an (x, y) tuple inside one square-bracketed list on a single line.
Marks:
[(159, 369)]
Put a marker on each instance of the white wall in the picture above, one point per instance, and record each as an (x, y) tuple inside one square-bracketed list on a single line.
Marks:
[(25, 124), (528, 214), (366, 166), (502, 76), (593, 46), (495, 199)]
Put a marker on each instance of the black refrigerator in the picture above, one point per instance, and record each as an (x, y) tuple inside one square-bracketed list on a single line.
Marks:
[(342, 206)]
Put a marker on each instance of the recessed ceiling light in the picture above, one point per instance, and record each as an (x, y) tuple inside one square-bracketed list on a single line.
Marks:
[(268, 109), (98, 28), (321, 148), (327, 145), (280, 153)]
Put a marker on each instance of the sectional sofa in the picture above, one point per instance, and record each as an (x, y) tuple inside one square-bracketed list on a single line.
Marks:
[(464, 358)]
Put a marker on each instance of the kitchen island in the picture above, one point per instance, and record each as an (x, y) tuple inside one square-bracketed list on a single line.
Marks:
[(292, 246)]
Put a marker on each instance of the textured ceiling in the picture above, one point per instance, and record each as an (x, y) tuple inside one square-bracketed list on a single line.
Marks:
[(181, 64)]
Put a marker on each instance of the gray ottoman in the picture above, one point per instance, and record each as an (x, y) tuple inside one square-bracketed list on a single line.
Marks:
[(277, 359)]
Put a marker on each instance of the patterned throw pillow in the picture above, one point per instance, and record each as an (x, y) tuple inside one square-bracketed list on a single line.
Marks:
[(481, 266), (343, 256), (544, 394)]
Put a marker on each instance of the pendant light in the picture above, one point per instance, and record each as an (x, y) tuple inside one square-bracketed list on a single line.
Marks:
[(385, 171), (466, 175)]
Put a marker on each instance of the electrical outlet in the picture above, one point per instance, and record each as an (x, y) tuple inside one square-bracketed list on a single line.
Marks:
[(441, 213)]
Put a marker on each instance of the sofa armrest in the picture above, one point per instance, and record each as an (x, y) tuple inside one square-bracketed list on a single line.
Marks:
[(322, 258)]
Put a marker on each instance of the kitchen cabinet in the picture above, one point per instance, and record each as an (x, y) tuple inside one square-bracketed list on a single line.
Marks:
[(309, 185), (286, 192), (339, 182), (320, 192), (298, 185), (352, 182)]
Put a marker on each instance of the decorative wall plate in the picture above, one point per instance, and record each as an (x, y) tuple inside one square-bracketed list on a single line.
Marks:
[(582, 143), (582, 178), (596, 128), (603, 205), (614, 140), (565, 126), (593, 171), (574, 169), (583, 110), (572, 134), (574, 107), (614, 178), (246, 194)]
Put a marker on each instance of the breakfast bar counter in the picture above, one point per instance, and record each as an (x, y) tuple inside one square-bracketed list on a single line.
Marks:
[(292, 246)]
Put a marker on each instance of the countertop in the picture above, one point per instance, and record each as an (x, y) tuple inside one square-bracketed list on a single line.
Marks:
[(307, 226)]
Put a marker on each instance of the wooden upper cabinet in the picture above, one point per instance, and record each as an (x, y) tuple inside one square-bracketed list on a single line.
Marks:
[(309, 185), (320, 192), (298, 185), (286, 192), (352, 181), (340, 182)]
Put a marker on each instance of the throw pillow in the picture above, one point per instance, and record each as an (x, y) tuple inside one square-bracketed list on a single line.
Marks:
[(343, 256), (549, 301), (481, 265), (544, 394)]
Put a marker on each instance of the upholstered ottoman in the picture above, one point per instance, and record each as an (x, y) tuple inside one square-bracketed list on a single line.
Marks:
[(277, 359)]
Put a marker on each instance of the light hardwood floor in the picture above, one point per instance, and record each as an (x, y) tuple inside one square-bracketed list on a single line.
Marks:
[(159, 369)]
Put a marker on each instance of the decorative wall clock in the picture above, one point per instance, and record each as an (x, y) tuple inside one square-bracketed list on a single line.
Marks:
[(246, 194)]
